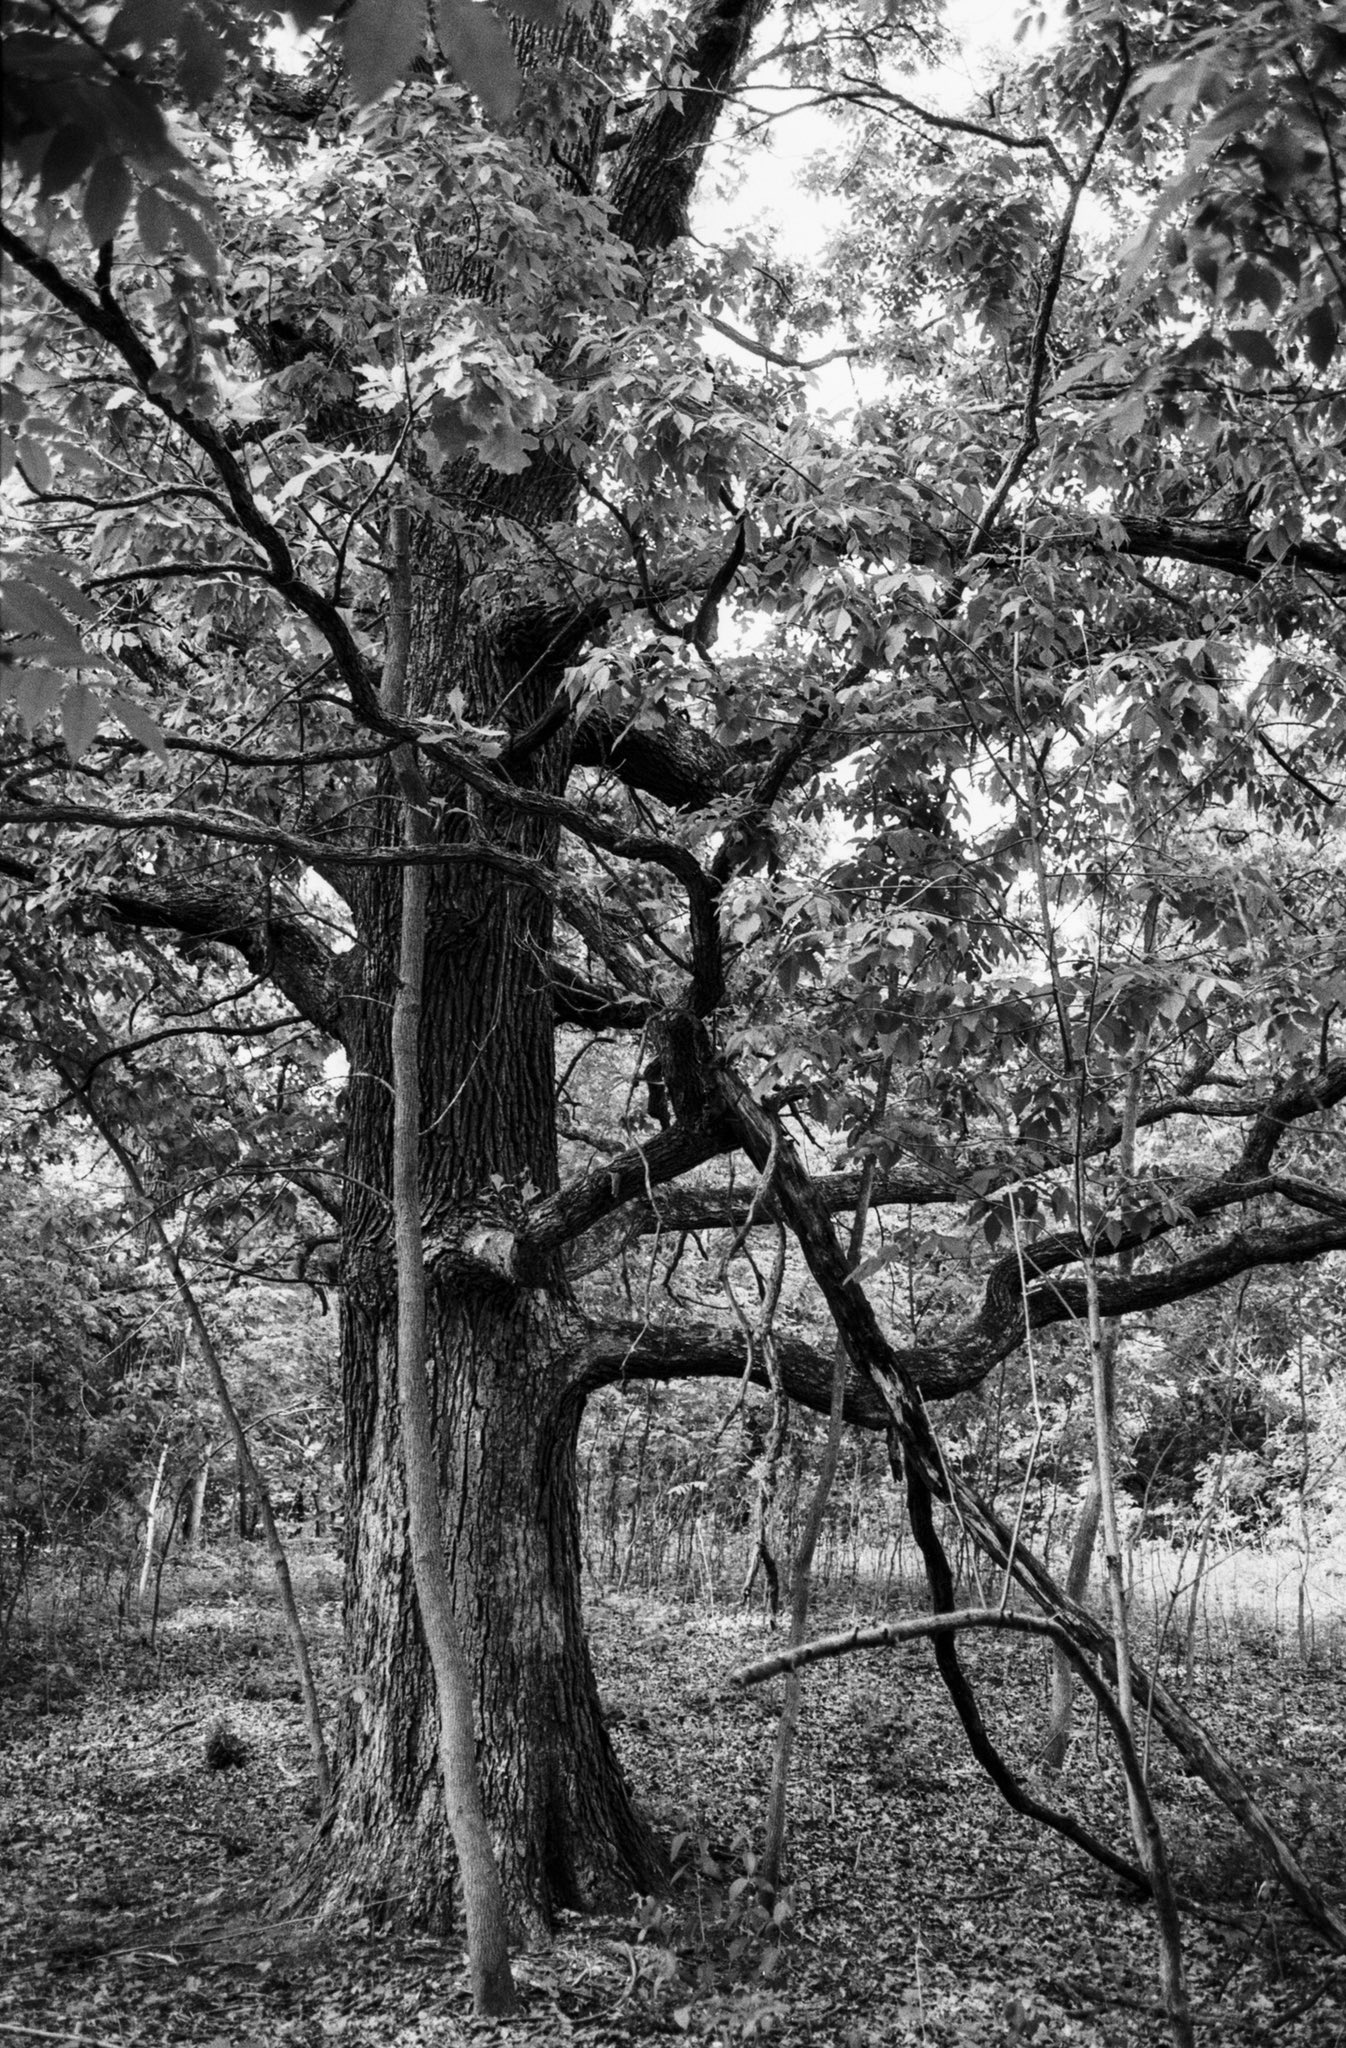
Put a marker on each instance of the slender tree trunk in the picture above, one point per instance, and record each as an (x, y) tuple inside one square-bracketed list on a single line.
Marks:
[(1057, 1743), (164, 1548), (1144, 1825), (152, 1522), (197, 1509), (247, 1468), (483, 1901)]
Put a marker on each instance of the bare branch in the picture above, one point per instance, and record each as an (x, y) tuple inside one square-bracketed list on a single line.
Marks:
[(774, 355)]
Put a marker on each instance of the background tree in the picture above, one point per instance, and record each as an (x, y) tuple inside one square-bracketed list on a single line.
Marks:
[(1042, 638)]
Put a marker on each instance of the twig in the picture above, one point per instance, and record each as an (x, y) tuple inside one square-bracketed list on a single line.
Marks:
[(775, 356), (1037, 359), (45, 2034)]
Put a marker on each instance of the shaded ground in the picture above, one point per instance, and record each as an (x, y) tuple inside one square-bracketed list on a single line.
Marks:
[(133, 1877)]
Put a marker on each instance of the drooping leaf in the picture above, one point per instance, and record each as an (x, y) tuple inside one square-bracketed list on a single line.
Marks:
[(195, 239), (136, 126), (146, 22), (202, 61), (1256, 347), (36, 464), (106, 198), (154, 218), (381, 38), (71, 152), (81, 716), (476, 43), (306, 14), (38, 627), (36, 692), (139, 724), (1320, 336), (53, 573)]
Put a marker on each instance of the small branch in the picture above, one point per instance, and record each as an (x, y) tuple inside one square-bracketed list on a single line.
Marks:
[(163, 572), (1037, 357), (1297, 774), (317, 852), (216, 1030), (954, 124), (886, 1635), (774, 356)]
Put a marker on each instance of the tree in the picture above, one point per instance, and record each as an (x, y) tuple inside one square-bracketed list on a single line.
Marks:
[(1023, 791)]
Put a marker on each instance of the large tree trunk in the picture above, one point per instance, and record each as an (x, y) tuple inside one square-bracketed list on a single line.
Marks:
[(505, 1412), (561, 1818), (505, 1403)]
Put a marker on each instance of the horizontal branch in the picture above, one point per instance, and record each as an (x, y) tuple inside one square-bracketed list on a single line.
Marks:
[(871, 93), (1224, 545), (1242, 1253), (954, 1363), (316, 853), (166, 572), (730, 1209), (932, 1185), (774, 356), (618, 1354), (887, 1635), (672, 761)]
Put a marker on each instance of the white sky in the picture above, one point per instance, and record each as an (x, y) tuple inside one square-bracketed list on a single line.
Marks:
[(762, 187)]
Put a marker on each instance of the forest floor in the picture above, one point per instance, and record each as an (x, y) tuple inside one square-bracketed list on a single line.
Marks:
[(133, 1879)]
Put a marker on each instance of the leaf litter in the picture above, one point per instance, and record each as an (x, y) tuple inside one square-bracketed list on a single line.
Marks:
[(134, 1877)]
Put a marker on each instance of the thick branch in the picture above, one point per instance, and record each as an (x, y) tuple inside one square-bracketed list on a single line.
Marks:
[(279, 948), (728, 1208), (1225, 545), (621, 1352), (577, 1001), (524, 1256), (1242, 1253), (659, 167), (672, 762)]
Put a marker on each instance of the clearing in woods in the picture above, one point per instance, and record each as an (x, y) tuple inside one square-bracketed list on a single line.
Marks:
[(134, 1879)]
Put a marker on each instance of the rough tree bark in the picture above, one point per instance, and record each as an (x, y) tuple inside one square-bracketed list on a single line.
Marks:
[(505, 1420)]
